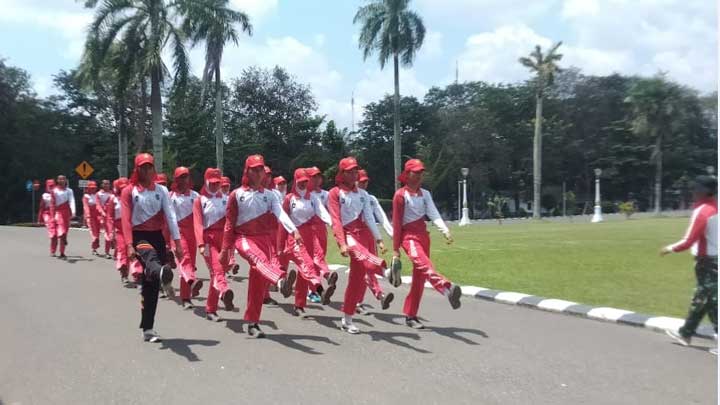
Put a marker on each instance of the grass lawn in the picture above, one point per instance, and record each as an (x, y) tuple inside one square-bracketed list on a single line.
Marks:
[(612, 264)]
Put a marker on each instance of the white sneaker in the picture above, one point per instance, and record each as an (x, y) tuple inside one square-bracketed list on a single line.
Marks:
[(349, 327), (151, 336), (678, 337), (714, 351)]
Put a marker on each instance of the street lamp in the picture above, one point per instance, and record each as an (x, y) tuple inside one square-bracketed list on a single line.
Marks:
[(465, 220), (597, 216)]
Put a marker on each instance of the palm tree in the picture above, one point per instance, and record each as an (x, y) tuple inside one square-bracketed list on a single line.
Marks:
[(214, 22), (390, 29), (144, 28), (545, 67), (656, 105)]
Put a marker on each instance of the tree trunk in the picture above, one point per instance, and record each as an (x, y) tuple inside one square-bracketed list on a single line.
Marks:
[(219, 139), (537, 156), (397, 144), (122, 141), (658, 174), (156, 110), (141, 117)]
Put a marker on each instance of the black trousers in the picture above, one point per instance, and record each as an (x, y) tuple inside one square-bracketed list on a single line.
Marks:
[(152, 261)]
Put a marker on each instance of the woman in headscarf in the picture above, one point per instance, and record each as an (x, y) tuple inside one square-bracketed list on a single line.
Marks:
[(183, 198), (301, 206), (46, 217), (146, 207), (62, 208), (209, 216), (113, 215), (103, 196), (92, 213), (225, 185), (411, 204), (356, 234), (246, 229)]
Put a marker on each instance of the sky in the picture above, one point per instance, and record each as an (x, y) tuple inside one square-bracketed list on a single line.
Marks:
[(316, 42)]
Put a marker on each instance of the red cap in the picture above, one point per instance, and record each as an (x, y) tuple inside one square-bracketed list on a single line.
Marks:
[(144, 159), (301, 175), (49, 183), (212, 175), (91, 184), (279, 180), (181, 171), (254, 161), (313, 171), (161, 178), (348, 163), (224, 181), (414, 165), (362, 175)]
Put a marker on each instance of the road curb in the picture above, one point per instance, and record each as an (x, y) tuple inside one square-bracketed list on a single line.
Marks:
[(605, 314)]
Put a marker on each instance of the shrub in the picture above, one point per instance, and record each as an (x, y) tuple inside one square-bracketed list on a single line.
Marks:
[(627, 208)]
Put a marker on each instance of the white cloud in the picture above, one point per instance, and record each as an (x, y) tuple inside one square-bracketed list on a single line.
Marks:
[(486, 13), (432, 46), (256, 9), (577, 8), (319, 40)]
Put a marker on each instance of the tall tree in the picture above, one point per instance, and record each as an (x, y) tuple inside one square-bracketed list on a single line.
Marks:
[(390, 29), (545, 67), (144, 28), (214, 22)]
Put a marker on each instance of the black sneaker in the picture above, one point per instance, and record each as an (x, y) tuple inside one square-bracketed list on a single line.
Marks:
[(213, 316), (255, 332), (454, 296), (196, 287), (327, 294), (151, 336), (124, 280), (332, 278), (386, 299), (62, 256), (235, 268), (166, 277), (227, 299), (287, 283), (299, 312), (95, 253), (270, 301), (414, 323), (187, 304)]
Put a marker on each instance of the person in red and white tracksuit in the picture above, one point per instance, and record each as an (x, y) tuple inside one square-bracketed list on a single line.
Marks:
[(382, 219), (104, 196), (273, 225), (62, 208), (321, 232), (113, 221), (701, 238), (301, 207), (209, 216), (92, 212), (183, 199), (246, 229), (145, 208), (45, 216), (233, 267), (356, 234), (280, 186), (411, 204)]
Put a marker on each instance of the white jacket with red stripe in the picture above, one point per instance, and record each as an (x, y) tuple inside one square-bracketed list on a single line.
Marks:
[(701, 235)]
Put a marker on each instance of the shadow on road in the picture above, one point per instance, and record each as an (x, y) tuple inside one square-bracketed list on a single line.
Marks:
[(454, 333), (291, 341), (75, 259), (394, 339), (333, 322), (236, 325), (182, 346)]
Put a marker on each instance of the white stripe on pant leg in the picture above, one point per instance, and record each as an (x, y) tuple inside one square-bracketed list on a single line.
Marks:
[(413, 249)]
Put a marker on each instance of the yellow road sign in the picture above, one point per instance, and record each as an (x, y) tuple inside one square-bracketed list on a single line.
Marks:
[(84, 169)]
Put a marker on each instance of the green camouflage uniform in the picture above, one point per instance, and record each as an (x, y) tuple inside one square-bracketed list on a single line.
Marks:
[(705, 297)]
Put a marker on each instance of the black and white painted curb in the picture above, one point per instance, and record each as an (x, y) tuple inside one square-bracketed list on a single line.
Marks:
[(657, 323)]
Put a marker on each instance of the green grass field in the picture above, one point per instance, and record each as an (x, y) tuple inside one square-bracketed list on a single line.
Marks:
[(612, 264)]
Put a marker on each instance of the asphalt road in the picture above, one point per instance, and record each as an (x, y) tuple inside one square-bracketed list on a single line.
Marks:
[(69, 335)]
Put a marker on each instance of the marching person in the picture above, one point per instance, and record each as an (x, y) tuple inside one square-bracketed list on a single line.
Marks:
[(113, 221), (411, 204), (320, 227), (104, 196), (225, 189), (246, 229), (62, 208), (273, 225), (145, 207), (382, 219), (701, 239), (92, 212), (209, 216), (280, 187), (356, 234), (45, 216), (301, 207), (183, 199)]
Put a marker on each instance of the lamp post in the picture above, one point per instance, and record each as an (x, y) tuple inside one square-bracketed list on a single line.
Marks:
[(597, 216), (465, 220)]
